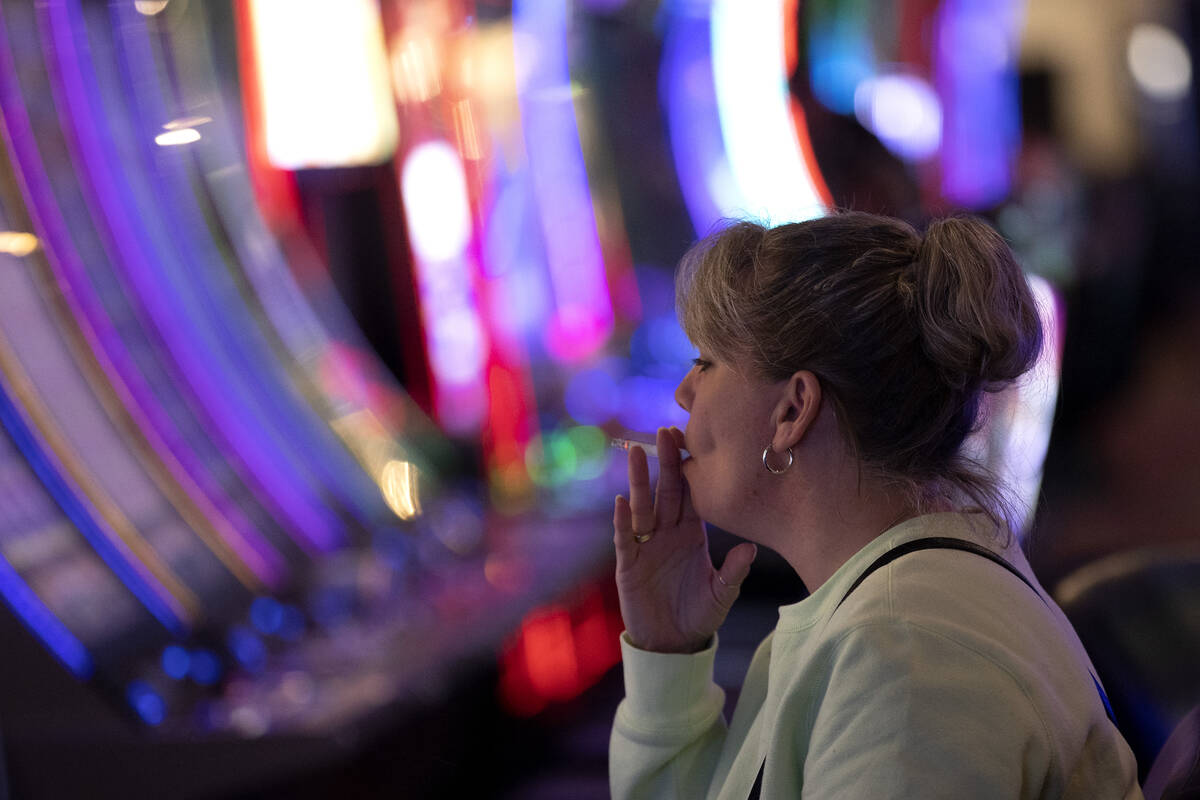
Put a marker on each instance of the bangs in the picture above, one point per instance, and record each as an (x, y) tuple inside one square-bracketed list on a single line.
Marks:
[(710, 290)]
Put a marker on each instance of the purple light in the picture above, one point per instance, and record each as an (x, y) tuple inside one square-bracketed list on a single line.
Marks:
[(583, 316), (112, 200), (975, 74)]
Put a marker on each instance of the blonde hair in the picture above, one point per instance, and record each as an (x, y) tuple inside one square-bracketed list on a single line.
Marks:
[(905, 332)]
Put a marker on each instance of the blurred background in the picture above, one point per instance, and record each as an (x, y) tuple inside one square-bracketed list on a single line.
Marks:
[(316, 318)]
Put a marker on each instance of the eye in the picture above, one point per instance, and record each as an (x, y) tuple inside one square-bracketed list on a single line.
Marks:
[(701, 364)]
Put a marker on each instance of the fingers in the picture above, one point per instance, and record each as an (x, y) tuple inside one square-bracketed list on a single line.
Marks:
[(728, 580), (677, 435), (641, 508), (668, 496), (622, 527)]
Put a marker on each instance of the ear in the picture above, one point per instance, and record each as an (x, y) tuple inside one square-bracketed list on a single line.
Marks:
[(797, 410)]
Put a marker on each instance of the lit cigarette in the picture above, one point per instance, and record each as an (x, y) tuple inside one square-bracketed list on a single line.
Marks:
[(650, 450)]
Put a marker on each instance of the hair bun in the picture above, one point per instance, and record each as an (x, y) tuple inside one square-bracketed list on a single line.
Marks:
[(979, 322)]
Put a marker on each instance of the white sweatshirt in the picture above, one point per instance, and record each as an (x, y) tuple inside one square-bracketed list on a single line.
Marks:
[(942, 676)]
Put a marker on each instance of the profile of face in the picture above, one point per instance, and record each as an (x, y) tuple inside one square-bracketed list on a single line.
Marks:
[(729, 424)]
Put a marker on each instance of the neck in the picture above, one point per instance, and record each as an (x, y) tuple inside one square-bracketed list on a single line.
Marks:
[(823, 510), (826, 534)]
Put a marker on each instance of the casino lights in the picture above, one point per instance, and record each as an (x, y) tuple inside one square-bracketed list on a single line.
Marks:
[(324, 82), (762, 142)]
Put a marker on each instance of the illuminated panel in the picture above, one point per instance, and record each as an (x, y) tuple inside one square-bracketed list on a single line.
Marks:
[(690, 98), (583, 314), (975, 74), (761, 139), (324, 82)]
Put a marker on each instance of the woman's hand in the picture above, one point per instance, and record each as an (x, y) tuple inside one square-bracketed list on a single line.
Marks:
[(672, 598)]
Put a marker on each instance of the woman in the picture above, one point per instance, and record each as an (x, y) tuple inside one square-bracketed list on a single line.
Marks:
[(843, 361)]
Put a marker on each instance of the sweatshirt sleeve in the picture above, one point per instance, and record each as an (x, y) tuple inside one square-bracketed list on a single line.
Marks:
[(669, 728), (909, 712)]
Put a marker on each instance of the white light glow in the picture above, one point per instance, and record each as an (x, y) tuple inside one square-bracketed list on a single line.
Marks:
[(761, 140), (1159, 62), (1014, 442), (150, 7), (398, 482), (324, 81), (186, 122), (434, 188), (903, 111), (458, 346), (17, 243), (177, 136)]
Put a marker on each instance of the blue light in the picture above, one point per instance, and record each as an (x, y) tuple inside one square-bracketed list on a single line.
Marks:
[(47, 627), (649, 403), (592, 396), (176, 661), (292, 624), (206, 667), (840, 53), (146, 702), (266, 613), (331, 606), (247, 648), (667, 342)]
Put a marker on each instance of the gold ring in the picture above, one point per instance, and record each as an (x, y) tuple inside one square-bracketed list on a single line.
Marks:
[(642, 538)]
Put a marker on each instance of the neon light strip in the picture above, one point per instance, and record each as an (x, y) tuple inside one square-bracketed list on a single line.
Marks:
[(109, 454), (191, 346), (38, 619), (300, 432), (690, 97), (104, 540), (583, 316), (106, 545), (749, 67)]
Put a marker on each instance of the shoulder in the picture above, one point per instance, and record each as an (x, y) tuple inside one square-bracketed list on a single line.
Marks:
[(911, 702)]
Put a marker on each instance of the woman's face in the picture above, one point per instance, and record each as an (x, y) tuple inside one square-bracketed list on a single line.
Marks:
[(728, 426)]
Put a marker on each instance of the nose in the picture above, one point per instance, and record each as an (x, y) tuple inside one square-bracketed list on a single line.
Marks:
[(684, 393)]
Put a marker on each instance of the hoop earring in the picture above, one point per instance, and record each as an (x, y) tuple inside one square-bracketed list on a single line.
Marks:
[(771, 469)]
